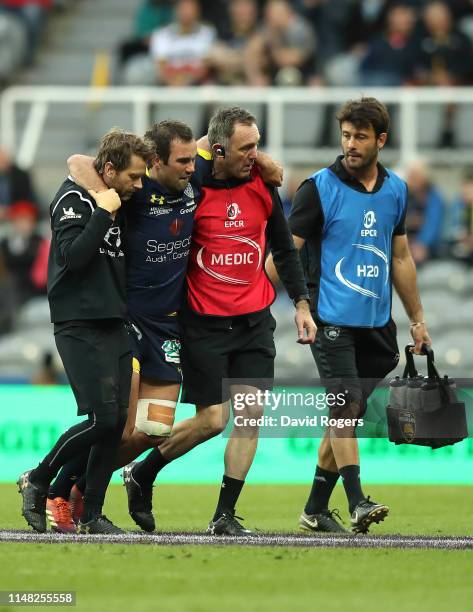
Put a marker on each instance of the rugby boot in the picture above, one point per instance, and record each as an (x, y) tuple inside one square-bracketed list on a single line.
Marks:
[(365, 513), (322, 522), (76, 502), (100, 525), (140, 499), (34, 502), (58, 512), (227, 524)]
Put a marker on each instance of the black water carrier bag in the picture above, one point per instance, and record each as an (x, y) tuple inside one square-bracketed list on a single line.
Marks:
[(424, 410)]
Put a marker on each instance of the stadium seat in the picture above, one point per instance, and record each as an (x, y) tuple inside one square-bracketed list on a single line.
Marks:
[(429, 124), (302, 125), (442, 275), (463, 126), (192, 114), (12, 45), (453, 354), (21, 352), (34, 314)]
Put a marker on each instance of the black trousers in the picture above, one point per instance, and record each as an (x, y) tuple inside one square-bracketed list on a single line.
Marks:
[(97, 361)]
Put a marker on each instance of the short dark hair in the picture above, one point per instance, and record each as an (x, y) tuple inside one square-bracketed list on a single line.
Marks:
[(118, 147), (163, 133), (222, 124), (364, 113)]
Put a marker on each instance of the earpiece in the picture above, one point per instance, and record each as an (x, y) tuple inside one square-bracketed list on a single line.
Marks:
[(219, 150)]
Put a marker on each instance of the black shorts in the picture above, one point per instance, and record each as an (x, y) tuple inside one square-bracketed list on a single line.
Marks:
[(210, 356), (156, 345), (97, 361), (355, 359)]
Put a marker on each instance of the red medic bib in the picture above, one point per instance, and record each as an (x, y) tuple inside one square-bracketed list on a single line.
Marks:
[(226, 274)]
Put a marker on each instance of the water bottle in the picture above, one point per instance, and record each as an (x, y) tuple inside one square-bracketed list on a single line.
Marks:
[(397, 393)]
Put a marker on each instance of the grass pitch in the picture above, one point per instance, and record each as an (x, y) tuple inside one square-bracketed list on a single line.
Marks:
[(137, 577)]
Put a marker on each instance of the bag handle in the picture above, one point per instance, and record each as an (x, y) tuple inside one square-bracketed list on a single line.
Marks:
[(410, 369)]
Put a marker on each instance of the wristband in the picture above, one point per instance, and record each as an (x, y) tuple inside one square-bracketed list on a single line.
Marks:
[(417, 324)]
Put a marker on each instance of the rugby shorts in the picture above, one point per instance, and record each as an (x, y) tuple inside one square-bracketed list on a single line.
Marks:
[(212, 357), (355, 359), (156, 346)]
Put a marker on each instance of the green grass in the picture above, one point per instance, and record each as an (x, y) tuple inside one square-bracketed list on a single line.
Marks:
[(135, 578)]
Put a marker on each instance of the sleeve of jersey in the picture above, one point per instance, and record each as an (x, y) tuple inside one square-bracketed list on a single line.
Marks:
[(400, 228), (285, 255), (203, 166), (79, 230), (306, 213)]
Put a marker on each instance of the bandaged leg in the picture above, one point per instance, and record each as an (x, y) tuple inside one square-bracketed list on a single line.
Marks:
[(155, 417)]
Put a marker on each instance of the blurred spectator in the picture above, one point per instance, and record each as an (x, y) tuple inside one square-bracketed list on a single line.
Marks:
[(392, 55), (181, 50), (15, 185), (461, 221), (12, 46), (151, 15), (216, 13), (445, 52), (338, 26), (425, 210), (283, 52), (48, 372), (20, 251), (227, 58), (33, 14)]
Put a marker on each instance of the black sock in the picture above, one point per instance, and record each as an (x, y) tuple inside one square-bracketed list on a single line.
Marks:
[(351, 481), (145, 471), (229, 494), (100, 467), (322, 487), (68, 476)]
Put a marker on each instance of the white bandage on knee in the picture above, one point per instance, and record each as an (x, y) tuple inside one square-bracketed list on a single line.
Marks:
[(155, 417)]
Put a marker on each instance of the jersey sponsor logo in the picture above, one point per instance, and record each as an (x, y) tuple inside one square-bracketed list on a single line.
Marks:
[(369, 219), (155, 212), (231, 259), (186, 211), (171, 349), (176, 227), (113, 240), (364, 271), (162, 252), (69, 214), (113, 237), (331, 332), (153, 246)]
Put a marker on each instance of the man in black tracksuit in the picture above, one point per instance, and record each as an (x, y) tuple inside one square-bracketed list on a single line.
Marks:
[(86, 292)]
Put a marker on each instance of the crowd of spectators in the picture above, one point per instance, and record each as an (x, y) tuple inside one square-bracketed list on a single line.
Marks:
[(22, 25), (23, 247), (300, 42)]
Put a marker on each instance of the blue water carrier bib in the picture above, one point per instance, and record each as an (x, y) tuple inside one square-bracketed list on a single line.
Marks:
[(356, 250)]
